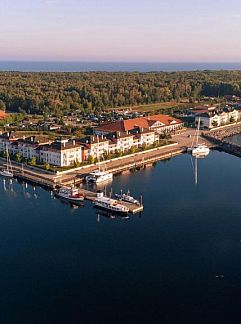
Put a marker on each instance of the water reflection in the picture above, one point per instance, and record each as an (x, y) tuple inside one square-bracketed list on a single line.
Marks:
[(105, 214)]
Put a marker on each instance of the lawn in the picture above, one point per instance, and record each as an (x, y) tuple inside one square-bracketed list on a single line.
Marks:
[(154, 107)]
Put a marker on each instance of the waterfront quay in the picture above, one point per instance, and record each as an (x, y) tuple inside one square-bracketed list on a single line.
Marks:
[(144, 159)]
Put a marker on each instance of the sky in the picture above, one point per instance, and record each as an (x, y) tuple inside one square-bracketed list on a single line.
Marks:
[(121, 30)]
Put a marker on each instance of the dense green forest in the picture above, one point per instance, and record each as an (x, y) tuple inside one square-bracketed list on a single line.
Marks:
[(58, 93)]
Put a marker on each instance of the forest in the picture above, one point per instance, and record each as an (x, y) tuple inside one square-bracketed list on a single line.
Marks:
[(60, 93)]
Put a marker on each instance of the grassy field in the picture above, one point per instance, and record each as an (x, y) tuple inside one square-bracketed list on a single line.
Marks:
[(154, 107)]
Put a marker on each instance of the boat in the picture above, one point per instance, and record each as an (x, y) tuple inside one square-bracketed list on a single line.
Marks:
[(98, 176), (197, 149), (69, 193), (8, 172), (201, 150), (128, 198), (110, 204)]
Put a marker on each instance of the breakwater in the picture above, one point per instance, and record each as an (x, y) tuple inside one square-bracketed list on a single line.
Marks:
[(222, 134), (220, 139)]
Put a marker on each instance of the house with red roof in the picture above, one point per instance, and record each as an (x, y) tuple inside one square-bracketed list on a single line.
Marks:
[(2, 114), (158, 123)]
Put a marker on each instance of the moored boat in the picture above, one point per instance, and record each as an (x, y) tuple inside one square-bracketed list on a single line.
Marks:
[(8, 172), (198, 150), (201, 150), (69, 193), (98, 176), (128, 198), (110, 204)]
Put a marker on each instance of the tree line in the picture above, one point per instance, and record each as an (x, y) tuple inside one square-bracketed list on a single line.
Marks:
[(60, 93)]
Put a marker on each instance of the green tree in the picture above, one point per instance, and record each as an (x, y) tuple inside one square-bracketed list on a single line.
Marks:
[(18, 157), (47, 166), (132, 150), (91, 159), (33, 161)]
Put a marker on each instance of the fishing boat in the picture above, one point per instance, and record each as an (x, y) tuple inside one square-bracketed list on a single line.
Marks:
[(128, 198), (197, 149), (8, 172), (69, 193), (110, 204)]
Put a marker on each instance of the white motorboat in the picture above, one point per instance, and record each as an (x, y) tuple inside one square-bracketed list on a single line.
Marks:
[(128, 198), (8, 172), (110, 204), (98, 176), (69, 193)]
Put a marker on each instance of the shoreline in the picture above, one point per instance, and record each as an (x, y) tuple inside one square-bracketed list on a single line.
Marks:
[(126, 163), (116, 166)]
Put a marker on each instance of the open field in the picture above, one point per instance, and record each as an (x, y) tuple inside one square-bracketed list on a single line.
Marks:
[(153, 107)]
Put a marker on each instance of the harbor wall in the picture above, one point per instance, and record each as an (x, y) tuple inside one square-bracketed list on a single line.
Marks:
[(220, 139)]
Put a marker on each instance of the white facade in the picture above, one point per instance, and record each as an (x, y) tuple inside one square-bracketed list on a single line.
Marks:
[(62, 153), (215, 120)]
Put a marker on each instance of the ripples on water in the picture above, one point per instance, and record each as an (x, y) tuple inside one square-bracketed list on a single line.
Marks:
[(178, 262)]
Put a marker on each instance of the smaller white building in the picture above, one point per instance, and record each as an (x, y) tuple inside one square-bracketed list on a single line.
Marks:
[(214, 119)]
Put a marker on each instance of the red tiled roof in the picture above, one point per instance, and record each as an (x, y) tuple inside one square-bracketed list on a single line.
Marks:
[(141, 122), (165, 119), (3, 114)]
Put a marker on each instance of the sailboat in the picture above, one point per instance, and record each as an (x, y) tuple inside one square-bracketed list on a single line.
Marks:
[(99, 176), (198, 150), (8, 172)]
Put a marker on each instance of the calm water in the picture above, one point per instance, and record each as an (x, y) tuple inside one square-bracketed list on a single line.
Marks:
[(180, 262), (112, 66), (236, 139)]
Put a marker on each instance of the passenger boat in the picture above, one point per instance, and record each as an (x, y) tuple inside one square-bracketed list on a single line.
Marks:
[(8, 172), (69, 193), (128, 198), (110, 204)]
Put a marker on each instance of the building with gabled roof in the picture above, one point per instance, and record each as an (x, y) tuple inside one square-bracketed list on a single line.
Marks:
[(158, 123)]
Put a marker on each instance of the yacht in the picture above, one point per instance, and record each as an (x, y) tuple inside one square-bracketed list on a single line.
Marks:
[(198, 150), (69, 193), (201, 150), (110, 204), (8, 172), (98, 176)]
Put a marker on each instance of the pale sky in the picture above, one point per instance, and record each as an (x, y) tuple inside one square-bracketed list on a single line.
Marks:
[(121, 30)]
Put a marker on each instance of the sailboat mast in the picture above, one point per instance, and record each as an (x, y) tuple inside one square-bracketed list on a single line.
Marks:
[(98, 155), (7, 158), (198, 127)]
